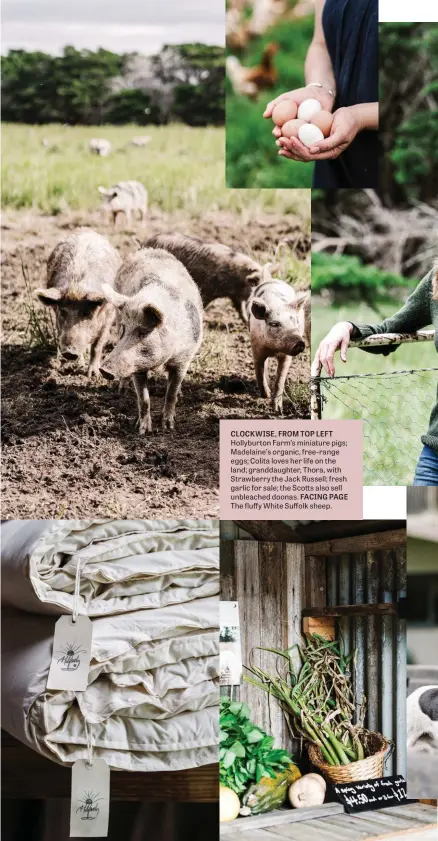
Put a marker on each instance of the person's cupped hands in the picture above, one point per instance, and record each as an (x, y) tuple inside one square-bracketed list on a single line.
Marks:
[(299, 95), (344, 129)]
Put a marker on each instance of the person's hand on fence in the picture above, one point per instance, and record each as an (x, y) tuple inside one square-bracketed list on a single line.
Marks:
[(299, 95), (337, 339)]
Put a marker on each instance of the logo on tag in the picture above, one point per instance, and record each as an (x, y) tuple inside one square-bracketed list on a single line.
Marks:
[(89, 806), (70, 658), (90, 798), (71, 654)]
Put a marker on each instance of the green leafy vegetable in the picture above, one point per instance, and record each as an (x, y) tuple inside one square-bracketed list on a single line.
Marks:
[(246, 752)]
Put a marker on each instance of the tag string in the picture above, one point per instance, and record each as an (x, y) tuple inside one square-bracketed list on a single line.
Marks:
[(89, 744), (77, 593)]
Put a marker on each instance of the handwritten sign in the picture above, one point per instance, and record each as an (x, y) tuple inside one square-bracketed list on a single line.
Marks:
[(365, 795)]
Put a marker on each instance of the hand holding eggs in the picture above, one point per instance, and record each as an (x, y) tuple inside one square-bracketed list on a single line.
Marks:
[(308, 108), (323, 119), (284, 111), (291, 128), (308, 121), (310, 134)]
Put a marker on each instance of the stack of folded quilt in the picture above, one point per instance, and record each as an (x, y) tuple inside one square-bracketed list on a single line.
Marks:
[(151, 589)]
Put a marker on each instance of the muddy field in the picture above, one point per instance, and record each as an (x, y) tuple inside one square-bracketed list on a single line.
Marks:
[(70, 445)]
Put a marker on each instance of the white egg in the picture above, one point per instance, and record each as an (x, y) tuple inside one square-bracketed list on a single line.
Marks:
[(310, 134), (308, 108)]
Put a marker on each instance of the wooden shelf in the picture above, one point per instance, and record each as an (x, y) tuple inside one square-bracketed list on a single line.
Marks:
[(330, 537), (389, 609), (27, 773)]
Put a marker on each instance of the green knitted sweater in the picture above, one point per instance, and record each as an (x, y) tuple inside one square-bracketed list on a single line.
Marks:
[(419, 311)]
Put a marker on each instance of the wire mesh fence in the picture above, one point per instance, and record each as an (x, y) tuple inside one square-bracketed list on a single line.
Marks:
[(395, 408)]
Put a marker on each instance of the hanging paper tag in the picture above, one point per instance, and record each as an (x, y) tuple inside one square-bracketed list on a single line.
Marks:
[(90, 794), (71, 654), (230, 652)]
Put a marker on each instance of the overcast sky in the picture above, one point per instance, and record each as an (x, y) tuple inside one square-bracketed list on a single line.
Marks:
[(119, 25)]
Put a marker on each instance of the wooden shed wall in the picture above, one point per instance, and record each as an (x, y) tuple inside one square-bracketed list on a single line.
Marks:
[(273, 583)]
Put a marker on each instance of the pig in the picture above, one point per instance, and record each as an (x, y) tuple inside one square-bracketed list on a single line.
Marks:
[(279, 326), (422, 718), (125, 197), (219, 271), (161, 314), (141, 140), (100, 146), (76, 270)]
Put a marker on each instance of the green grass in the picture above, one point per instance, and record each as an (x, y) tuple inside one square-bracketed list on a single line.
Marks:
[(252, 159), (182, 167), (395, 410)]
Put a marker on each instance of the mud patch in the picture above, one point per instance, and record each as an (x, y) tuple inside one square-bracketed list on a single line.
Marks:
[(70, 445)]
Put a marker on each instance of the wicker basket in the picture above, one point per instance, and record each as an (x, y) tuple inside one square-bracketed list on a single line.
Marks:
[(365, 769)]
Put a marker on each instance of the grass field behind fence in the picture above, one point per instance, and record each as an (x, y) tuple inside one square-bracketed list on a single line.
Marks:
[(182, 168), (395, 409), (252, 159)]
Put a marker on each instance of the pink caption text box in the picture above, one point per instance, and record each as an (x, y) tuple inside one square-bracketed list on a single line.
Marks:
[(303, 504)]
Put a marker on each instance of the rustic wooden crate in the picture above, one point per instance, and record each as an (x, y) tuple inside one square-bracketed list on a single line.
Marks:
[(411, 821)]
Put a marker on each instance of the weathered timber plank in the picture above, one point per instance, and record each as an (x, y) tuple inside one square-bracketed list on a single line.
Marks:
[(329, 531), (249, 597), (227, 571), (313, 830), (45, 779), (413, 811), (386, 609), (360, 543), (287, 815)]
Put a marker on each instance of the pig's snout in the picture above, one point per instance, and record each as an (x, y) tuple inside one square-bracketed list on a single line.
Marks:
[(69, 353), (297, 348), (107, 374)]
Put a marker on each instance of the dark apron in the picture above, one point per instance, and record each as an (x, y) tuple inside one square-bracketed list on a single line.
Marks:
[(351, 34)]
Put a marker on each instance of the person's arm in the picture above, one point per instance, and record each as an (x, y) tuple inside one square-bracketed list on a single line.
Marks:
[(412, 316), (318, 65), (318, 68)]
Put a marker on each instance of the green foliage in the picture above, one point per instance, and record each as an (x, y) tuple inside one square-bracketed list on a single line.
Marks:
[(132, 105), (40, 88), (228, 634), (252, 159), (246, 752), (76, 87), (409, 110), (350, 279)]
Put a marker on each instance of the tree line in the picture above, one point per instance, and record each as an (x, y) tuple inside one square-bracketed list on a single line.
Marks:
[(84, 87), (409, 112)]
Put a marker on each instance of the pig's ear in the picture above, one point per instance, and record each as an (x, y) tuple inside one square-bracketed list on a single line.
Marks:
[(49, 297), (274, 268), (112, 296), (152, 316), (301, 299), (267, 272), (258, 309)]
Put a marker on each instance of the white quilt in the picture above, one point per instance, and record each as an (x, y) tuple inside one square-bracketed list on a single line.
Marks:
[(151, 589)]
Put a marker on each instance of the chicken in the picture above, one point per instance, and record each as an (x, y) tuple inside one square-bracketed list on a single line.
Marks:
[(265, 14), (249, 81)]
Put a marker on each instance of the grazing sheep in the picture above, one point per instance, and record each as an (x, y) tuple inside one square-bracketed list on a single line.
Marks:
[(99, 146), (142, 140)]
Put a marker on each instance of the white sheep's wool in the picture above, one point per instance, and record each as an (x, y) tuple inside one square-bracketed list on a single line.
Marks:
[(151, 590)]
